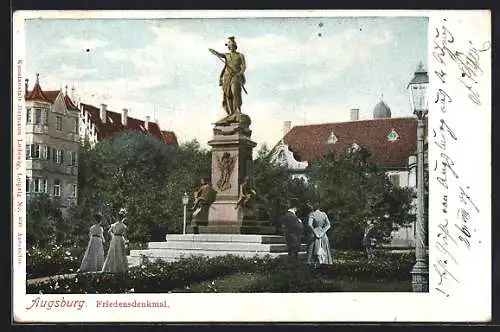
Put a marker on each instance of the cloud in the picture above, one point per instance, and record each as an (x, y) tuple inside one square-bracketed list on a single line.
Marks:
[(66, 72), (313, 58), (116, 55), (74, 43), (174, 77)]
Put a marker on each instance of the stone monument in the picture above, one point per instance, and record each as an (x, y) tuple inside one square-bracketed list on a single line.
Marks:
[(232, 160), (224, 216)]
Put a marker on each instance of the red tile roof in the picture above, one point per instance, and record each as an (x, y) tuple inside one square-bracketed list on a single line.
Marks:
[(36, 94), (69, 103), (50, 96), (170, 138), (311, 141), (114, 124)]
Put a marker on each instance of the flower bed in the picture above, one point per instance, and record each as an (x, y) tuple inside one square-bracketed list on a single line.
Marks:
[(54, 260), (162, 277), (381, 255), (157, 277)]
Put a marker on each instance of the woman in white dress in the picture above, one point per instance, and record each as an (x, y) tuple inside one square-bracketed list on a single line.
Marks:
[(93, 259), (116, 260), (318, 249)]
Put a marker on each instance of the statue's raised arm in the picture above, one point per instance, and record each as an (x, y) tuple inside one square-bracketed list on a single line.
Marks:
[(232, 77), (217, 54)]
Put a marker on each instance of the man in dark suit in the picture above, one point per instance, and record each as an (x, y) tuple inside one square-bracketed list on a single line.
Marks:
[(292, 229)]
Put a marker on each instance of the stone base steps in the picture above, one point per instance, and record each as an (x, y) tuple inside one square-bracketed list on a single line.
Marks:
[(214, 246), (174, 256), (245, 238), (177, 246)]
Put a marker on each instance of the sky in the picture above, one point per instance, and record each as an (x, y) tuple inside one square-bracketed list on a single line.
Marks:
[(303, 70)]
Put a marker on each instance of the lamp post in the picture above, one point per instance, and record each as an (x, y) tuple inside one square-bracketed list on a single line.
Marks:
[(185, 200), (417, 88)]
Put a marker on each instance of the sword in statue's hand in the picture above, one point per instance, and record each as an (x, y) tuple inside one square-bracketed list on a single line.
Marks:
[(222, 58)]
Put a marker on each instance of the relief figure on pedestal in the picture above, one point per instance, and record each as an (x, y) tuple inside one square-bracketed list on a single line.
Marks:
[(247, 193), (203, 198), (226, 166)]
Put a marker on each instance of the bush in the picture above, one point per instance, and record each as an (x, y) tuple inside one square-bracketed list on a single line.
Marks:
[(162, 277), (53, 260), (381, 255), (156, 277), (386, 271)]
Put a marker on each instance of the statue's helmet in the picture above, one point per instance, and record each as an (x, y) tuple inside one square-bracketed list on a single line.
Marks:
[(231, 41)]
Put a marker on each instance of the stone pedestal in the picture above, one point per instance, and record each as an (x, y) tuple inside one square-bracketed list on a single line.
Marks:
[(177, 246), (232, 161)]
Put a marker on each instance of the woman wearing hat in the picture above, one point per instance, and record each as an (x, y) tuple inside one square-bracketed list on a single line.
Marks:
[(116, 260), (93, 259)]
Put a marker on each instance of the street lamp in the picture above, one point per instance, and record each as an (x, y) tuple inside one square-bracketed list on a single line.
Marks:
[(185, 200), (417, 89)]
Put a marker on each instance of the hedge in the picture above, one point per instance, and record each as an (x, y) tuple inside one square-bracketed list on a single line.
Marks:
[(162, 277)]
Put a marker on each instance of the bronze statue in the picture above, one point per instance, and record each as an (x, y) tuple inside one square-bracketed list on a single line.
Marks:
[(226, 166), (232, 77), (205, 195), (246, 193)]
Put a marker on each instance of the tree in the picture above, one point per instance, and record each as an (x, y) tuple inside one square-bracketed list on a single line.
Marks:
[(275, 188), (45, 222), (128, 170), (194, 164), (354, 191)]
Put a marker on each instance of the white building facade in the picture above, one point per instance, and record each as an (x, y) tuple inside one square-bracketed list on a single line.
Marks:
[(391, 142), (52, 144)]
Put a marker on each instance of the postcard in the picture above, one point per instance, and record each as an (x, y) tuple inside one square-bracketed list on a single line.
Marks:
[(251, 166)]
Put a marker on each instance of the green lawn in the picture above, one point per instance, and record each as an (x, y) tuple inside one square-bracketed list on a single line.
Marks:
[(236, 282)]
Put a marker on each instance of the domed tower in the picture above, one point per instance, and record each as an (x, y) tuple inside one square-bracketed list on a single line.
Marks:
[(381, 110)]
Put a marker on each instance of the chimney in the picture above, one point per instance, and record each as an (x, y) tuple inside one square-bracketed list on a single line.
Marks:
[(354, 114), (103, 113), (146, 123), (124, 117), (287, 125), (26, 83)]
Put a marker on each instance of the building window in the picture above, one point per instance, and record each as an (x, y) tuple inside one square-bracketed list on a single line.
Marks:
[(76, 125), (39, 185), (46, 120), (28, 115), (332, 139), (47, 152), (27, 184), (57, 188), (38, 116), (45, 186), (43, 152), (58, 122), (75, 190), (32, 151), (58, 156), (72, 158), (394, 178), (393, 135), (36, 185)]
